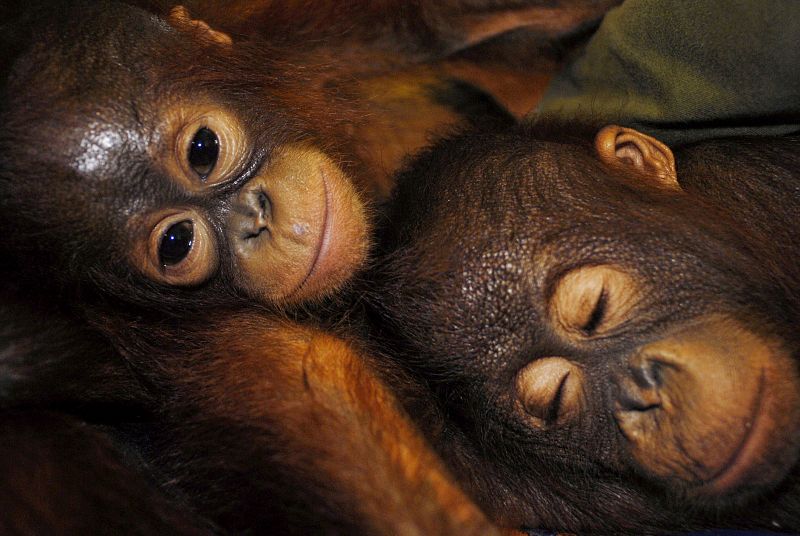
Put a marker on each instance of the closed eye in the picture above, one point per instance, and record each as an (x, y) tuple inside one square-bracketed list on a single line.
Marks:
[(591, 301), (598, 313)]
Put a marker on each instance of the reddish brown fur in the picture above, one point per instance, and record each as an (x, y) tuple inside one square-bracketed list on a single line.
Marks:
[(488, 227), (245, 419), (337, 425)]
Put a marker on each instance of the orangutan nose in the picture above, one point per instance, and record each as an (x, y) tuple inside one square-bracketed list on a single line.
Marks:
[(550, 390), (640, 386), (253, 211), (707, 405)]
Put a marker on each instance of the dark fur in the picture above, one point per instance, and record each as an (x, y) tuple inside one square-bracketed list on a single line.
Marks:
[(235, 416), (462, 302)]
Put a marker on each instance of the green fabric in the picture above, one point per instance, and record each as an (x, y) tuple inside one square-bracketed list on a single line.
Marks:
[(689, 70)]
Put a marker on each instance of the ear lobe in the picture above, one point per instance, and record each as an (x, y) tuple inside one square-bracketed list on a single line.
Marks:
[(619, 146), (180, 19)]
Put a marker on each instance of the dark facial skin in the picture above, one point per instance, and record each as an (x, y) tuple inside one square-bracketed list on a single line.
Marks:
[(173, 189), (612, 336), (170, 178), (235, 174)]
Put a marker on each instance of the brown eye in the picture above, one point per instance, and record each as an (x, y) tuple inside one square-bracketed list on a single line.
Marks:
[(203, 152), (208, 147), (180, 249), (176, 243), (592, 300)]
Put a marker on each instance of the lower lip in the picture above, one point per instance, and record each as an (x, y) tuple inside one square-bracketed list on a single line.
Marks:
[(325, 239), (749, 450)]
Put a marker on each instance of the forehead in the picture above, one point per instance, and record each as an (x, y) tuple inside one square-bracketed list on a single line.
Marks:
[(493, 220), (89, 65), (494, 190), (85, 51), (75, 109)]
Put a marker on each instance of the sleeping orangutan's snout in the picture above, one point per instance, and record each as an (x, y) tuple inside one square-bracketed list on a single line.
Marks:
[(709, 406)]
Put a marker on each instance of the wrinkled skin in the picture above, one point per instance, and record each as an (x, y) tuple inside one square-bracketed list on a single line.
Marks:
[(612, 351), (106, 101), (193, 370)]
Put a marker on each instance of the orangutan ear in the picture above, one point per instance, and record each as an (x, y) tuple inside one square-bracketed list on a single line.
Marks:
[(180, 19), (471, 23), (619, 146)]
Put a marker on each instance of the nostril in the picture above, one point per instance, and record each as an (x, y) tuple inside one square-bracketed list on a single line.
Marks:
[(251, 234), (638, 400), (264, 204), (648, 373), (253, 213), (640, 389)]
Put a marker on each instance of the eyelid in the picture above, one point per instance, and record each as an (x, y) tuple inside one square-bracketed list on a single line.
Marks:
[(228, 158), (255, 160), (598, 313), (590, 301), (197, 267), (181, 128)]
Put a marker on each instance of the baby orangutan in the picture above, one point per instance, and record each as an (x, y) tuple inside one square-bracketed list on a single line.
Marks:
[(611, 329), (174, 190)]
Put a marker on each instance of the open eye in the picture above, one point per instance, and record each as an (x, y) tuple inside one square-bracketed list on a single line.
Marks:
[(209, 147), (591, 300), (203, 152), (176, 243), (180, 249)]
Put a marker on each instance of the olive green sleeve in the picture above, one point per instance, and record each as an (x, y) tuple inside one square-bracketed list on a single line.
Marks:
[(688, 70)]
